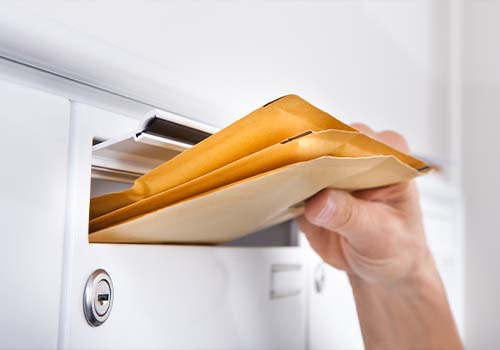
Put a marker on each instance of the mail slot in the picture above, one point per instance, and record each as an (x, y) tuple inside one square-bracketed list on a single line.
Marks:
[(159, 138), (118, 161)]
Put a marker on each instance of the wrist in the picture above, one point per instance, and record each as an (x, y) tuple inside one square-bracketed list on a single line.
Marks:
[(422, 278), (410, 312)]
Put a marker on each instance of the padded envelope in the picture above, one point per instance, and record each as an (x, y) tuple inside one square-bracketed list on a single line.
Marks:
[(262, 184)]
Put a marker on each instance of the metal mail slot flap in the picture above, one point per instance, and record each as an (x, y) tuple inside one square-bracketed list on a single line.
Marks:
[(159, 138)]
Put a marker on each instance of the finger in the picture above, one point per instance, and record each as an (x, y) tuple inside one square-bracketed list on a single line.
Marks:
[(387, 194), (315, 235), (325, 243), (389, 137), (364, 129), (339, 211), (370, 228), (394, 139), (400, 198)]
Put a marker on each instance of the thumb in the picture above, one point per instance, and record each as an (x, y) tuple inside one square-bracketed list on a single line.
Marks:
[(339, 211)]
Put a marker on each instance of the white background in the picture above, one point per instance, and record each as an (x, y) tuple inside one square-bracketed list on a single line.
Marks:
[(381, 62)]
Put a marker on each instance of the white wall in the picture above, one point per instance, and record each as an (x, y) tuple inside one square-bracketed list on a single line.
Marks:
[(382, 61), (481, 149)]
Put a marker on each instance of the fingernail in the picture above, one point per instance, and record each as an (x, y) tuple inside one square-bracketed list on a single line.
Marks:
[(326, 212)]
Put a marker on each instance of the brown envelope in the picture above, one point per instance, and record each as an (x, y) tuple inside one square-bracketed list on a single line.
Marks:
[(228, 186), (264, 127)]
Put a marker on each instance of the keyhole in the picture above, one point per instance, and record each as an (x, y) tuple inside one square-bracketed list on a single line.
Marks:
[(101, 298)]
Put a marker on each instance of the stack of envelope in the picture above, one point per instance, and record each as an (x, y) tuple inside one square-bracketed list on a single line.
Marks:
[(255, 173)]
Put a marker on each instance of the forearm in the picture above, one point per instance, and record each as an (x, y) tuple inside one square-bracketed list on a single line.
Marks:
[(409, 314)]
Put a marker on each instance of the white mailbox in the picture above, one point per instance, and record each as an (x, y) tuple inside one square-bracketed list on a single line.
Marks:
[(251, 292)]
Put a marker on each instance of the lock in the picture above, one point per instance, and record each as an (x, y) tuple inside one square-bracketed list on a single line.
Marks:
[(98, 297)]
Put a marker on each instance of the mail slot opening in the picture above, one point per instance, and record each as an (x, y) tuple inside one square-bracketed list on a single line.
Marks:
[(117, 162), (281, 235)]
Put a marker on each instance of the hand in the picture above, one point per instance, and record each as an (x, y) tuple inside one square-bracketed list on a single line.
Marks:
[(377, 237), (374, 234)]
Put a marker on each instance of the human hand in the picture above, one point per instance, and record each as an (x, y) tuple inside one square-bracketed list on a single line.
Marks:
[(377, 237), (375, 234)]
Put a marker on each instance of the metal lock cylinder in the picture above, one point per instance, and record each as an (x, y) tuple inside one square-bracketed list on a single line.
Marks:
[(98, 297)]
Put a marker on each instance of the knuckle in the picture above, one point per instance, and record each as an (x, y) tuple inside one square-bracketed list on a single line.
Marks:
[(364, 128), (345, 213), (360, 126), (394, 139), (391, 134)]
